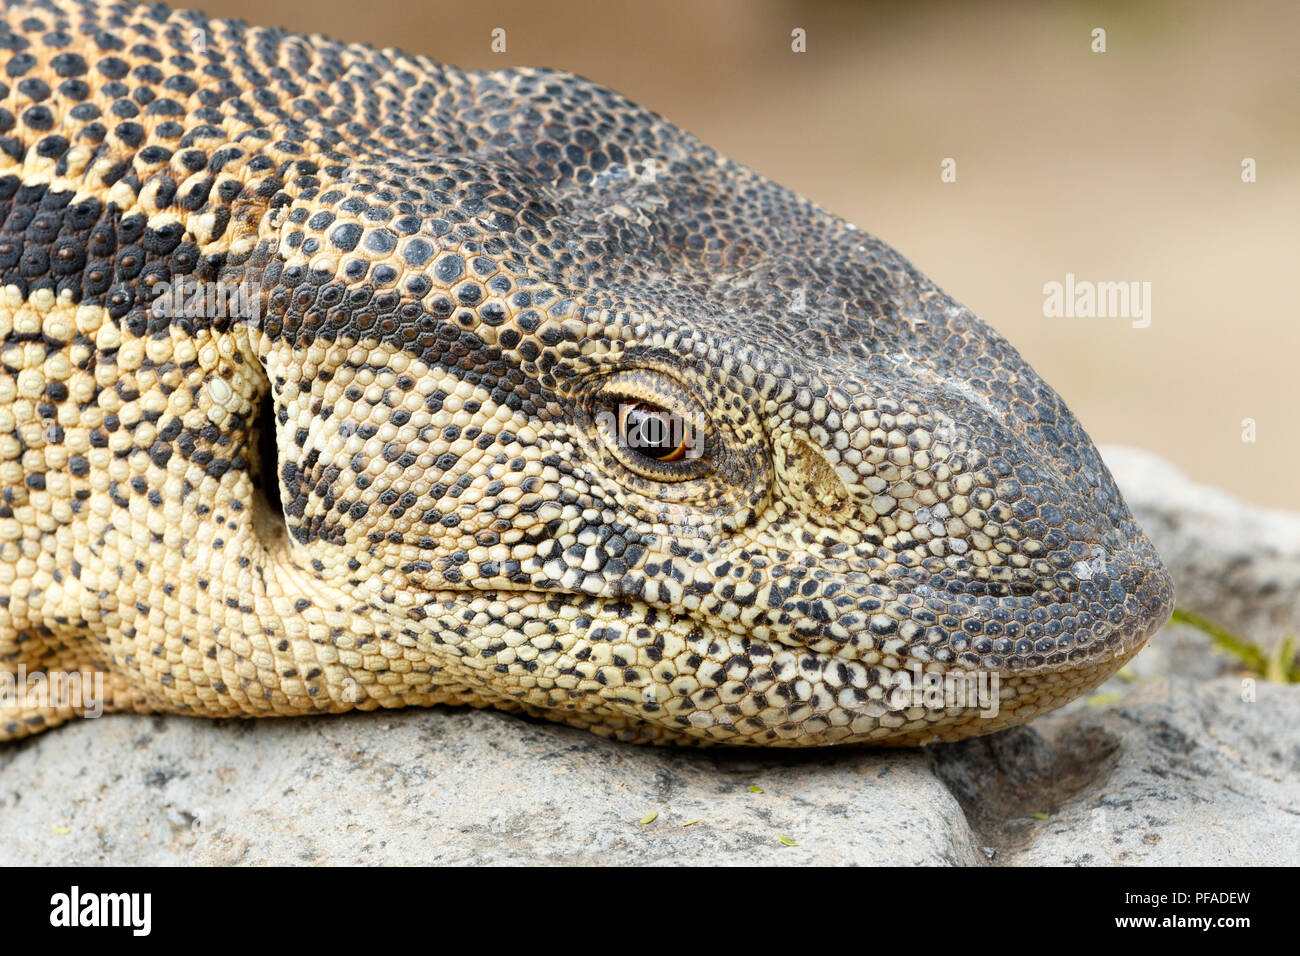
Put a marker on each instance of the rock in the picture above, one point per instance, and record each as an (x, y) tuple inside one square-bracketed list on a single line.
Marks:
[(1180, 650), (1236, 564), (1182, 760), (1176, 773), (466, 787)]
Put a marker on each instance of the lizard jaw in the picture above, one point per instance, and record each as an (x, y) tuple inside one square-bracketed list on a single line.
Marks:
[(626, 669)]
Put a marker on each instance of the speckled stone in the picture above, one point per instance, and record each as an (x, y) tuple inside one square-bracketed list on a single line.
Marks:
[(1177, 772), (1234, 563), (1172, 769)]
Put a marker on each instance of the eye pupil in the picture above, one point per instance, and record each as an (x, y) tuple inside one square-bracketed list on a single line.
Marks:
[(653, 431)]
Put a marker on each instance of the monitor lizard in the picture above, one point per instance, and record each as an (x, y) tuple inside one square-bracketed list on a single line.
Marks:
[(334, 378)]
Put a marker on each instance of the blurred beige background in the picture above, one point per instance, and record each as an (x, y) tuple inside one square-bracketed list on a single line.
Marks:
[(1122, 166)]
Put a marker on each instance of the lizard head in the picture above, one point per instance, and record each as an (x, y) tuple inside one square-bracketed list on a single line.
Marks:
[(617, 430)]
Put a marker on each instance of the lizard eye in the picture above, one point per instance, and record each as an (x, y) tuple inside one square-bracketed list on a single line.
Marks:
[(652, 428), (652, 431)]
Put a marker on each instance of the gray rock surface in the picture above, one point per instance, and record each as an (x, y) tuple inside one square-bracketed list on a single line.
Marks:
[(1234, 563), (1177, 772), (1182, 760), (468, 787)]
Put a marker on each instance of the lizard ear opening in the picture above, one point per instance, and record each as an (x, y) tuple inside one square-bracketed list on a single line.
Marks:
[(266, 473)]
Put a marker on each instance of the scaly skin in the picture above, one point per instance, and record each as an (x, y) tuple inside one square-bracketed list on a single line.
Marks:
[(457, 279)]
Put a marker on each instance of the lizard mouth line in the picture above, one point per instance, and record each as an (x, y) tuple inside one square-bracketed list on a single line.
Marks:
[(1004, 655)]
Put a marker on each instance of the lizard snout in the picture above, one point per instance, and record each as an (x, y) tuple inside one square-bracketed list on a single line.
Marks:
[(958, 532)]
